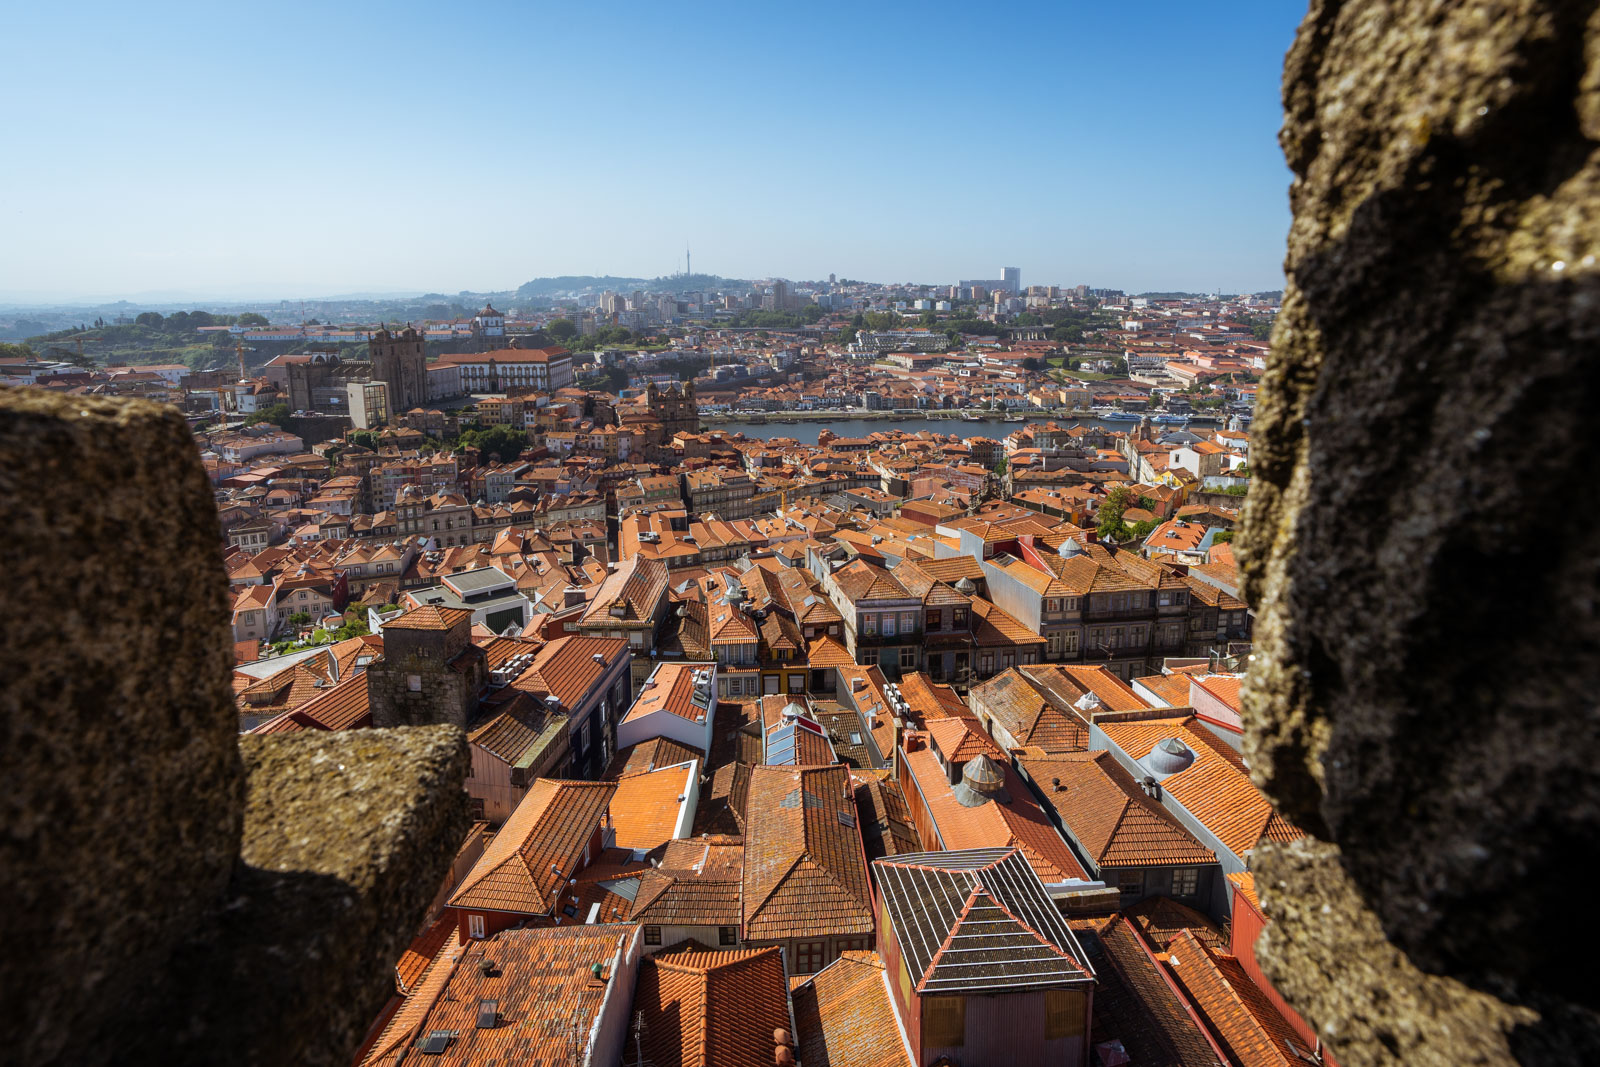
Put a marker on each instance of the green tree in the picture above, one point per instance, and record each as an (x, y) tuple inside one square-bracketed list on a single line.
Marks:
[(1032, 363), (1117, 501), (149, 318), (277, 414), (15, 351), (1142, 529), (562, 330), (1000, 466), (250, 318), (1222, 537), (1111, 528), (364, 438), (506, 442)]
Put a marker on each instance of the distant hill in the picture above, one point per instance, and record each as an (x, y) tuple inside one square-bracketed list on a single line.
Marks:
[(578, 283)]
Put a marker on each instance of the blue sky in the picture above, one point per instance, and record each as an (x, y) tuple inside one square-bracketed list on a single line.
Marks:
[(303, 150)]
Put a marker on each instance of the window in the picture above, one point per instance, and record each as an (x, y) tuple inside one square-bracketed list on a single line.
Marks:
[(933, 620), (1052, 604), (908, 622), (475, 926), (944, 1022), (960, 617), (1064, 1013), (986, 663), (1072, 603), (636, 639), (810, 956), (1130, 883), (1185, 881), (797, 683), (652, 935), (414, 682), (908, 658), (1164, 599), (869, 625), (889, 625), (726, 935)]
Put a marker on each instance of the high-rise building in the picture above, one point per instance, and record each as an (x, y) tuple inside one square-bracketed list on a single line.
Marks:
[(1011, 278)]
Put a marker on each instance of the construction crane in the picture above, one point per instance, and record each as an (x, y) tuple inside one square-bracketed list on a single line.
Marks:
[(79, 340), (239, 349)]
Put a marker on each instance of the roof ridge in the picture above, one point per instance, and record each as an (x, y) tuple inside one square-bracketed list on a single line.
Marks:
[(966, 909), (1045, 941)]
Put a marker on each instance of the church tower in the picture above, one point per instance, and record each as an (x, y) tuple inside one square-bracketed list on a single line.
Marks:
[(400, 361)]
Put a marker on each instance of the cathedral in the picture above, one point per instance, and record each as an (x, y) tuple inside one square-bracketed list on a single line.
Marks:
[(399, 360)]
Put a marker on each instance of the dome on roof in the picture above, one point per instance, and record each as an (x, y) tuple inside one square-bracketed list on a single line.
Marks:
[(793, 710), (1069, 548), (966, 587), (982, 780), (1169, 757)]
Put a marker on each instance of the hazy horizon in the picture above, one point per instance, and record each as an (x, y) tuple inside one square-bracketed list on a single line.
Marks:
[(258, 154)]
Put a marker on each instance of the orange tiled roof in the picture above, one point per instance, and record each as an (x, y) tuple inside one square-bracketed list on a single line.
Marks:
[(1028, 716), (1171, 688), (646, 809), (844, 1017), (550, 829), (419, 955), (541, 983), (1215, 787), (1248, 1027), (805, 871), (651, 755), (1112, 818), (706, 1009), (1016, 823), (960, 738), (684, 898), (1247, 886), (429, 617)]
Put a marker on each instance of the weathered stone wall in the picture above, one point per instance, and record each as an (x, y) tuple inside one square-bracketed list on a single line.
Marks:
[(114, 704), (162, 899), (1419, 545)]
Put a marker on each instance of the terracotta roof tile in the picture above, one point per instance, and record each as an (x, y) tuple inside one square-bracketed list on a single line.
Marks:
[(540, 846), (540, 981), (429, 617), (1114, 822), (649, 755), (805, 871), (707, 1009), (684, 898), (647, 808), (1215, 787), (844, 1018), (1138, 1004), (1244, 1021), (1015, 823)]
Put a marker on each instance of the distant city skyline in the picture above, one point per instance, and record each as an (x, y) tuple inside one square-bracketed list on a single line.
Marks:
[(398, 150)]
